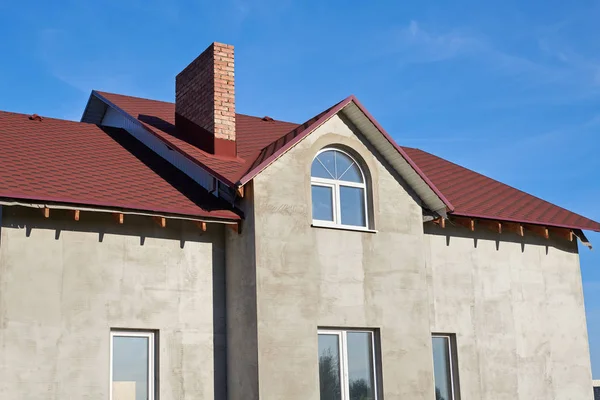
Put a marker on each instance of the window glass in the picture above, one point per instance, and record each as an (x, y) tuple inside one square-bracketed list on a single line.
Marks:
[(322, 202), (130, 368), (346, 365), (327, 160), (352, 204), (338, 190), (442, 368), (318, 170), (329, 367), (351, 174), (360, 366)]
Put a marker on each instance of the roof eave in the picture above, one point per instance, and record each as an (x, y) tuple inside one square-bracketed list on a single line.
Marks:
[(525, 221), (108, 208)]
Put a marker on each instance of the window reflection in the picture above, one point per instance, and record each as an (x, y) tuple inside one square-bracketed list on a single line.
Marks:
[(131, 367), (360, 366), (442, 368), (322, 203), (352, 202), (329, 367), (346, 365)]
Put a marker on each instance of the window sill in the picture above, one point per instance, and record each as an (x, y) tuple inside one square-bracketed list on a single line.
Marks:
[(342, 227)]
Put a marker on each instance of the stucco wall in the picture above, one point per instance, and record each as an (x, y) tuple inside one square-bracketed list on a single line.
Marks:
[(242, 350), (516, 307), (316, 277), (65, 284)]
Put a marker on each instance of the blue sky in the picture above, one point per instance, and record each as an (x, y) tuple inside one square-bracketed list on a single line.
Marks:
[(508, 88)]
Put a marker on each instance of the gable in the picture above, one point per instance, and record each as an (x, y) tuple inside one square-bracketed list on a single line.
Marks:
[(356, 114), (282, 191)]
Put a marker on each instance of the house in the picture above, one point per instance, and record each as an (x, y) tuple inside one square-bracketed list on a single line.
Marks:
[(180, 250)]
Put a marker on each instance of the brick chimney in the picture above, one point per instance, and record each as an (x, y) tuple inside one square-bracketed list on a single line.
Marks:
[(205, 101)]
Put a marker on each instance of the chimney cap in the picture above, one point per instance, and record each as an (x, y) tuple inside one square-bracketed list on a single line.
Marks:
[(35, 117), (267, 118)]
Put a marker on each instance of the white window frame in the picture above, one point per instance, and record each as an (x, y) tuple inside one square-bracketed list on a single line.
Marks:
[(452, 367), (151, 360), (335, 184), (343, 349)]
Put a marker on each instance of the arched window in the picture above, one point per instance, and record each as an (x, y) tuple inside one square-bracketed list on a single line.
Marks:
[(339, 190)]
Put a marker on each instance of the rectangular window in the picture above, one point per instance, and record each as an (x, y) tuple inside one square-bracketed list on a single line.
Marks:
[(132, 365), (322, 202), (347, 365), (445, 368), (352, 204)]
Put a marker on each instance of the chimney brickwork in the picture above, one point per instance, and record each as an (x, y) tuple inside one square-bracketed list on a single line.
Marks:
[(205, 101)]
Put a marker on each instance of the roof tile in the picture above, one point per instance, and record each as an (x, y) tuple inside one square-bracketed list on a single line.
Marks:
[(470, 193), (476, 195), (70, 162)]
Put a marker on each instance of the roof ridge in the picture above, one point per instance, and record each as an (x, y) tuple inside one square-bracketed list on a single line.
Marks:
[(304, 125), (131, 97), (172, 103), (274, 120), (273, 148), (45, 118)]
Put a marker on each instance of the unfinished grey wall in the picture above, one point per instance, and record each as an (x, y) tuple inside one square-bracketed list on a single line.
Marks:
[(65, 284), (316, 277), (242, 352), (516, 307)]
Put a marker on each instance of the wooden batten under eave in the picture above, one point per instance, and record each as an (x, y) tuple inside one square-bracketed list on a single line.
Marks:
[(201, 225), (237, 228), (504, 227), (119, 217), (240, 191), (514, 227), (161, 221), (538, 230), (52, 211), (441, 221), (468, 223)]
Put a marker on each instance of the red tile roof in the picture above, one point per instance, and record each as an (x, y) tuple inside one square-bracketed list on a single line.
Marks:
[(252, 135), (61, 161), (259, 142), (476, 195), (466, 192)]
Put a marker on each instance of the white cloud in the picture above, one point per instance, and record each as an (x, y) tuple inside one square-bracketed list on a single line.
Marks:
[(59, 53), (564, 75), (413, 44)]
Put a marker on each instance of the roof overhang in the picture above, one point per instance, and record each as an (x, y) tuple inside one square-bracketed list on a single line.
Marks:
[(432, 198), (44, 204)]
